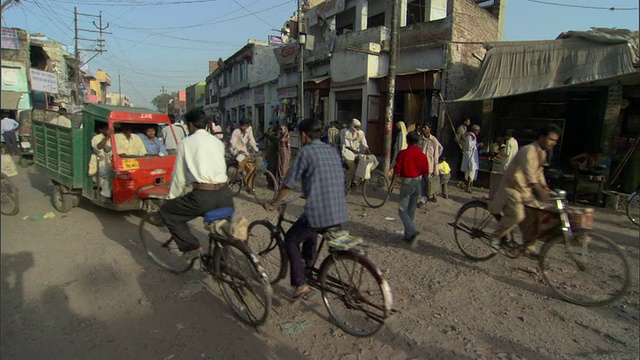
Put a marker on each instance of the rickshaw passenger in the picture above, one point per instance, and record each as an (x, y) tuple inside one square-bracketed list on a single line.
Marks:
[(200, 162), (152, 144), (129, 144), (101, 146)]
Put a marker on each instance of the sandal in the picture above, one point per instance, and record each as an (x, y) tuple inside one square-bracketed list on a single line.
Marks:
[(300, 291)]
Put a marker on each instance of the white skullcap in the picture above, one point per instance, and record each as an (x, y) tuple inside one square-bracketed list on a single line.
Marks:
[(355, 122)]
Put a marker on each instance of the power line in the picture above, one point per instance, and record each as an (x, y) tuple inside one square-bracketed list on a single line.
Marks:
[(582, 6), (252, 13), (128, 3)]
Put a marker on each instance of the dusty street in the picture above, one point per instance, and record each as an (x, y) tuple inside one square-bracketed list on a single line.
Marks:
[(79, 286)]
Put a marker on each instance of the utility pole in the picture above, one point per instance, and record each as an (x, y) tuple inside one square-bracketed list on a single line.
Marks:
[(98, 50), (163, 91), (391, 92), (301, 45)]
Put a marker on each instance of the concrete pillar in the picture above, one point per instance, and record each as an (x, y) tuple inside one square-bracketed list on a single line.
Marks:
[(362, 13), (435, 10), (403, 13)]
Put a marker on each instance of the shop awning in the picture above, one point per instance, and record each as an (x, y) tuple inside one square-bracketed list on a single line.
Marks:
[(11, 100), (514, 68)]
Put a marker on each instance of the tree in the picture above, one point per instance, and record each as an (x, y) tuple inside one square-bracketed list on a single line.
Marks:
[(161, 101)]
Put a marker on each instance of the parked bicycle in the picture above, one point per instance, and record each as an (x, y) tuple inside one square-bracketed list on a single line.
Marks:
[(580, 266), (355, 293), (633, 207), (9, 197), (264, 187), (244, 283)]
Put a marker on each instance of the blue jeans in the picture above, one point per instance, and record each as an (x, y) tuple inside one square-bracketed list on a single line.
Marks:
[(409, 194)]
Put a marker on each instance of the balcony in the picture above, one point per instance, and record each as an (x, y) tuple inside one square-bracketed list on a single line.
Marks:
[(377, 35)]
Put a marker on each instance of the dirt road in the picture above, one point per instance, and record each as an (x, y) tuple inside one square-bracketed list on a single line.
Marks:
[(79, 286)]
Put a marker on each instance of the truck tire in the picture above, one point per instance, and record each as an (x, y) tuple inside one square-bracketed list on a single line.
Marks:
[(63, 202)]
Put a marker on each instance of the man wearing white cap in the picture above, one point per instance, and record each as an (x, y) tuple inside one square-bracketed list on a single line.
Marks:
[(353, 143)]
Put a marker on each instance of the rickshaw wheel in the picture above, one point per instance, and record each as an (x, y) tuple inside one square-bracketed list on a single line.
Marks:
[(63, 202)]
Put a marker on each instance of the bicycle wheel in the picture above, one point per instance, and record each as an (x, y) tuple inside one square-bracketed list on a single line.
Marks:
[(234, 180), (264, 186), (263, 242), (9, 200), (590, 270), (375, 190), (243, 282), (160, 246), (473, 228), (354, 293), (633, 208)]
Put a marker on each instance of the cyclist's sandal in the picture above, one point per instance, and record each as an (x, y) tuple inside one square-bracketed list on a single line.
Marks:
[(300, 292)]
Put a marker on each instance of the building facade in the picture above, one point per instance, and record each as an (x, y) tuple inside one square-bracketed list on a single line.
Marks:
[(118, 100), (195, 96)]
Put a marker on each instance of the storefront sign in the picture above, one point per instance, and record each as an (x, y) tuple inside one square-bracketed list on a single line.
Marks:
[(10, 39), (288, 53), (44, 81), (275, 40), (290, 92), (324, 10)]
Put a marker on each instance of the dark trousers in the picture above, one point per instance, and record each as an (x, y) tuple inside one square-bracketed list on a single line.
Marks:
[(179, 211), (11, 142), (351, 172), (300, 232)]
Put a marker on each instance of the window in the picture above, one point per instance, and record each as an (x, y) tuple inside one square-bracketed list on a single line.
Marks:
[(93, 92), (375, 21), (241, 113), (241, 72), (345, 21), (415, 12)]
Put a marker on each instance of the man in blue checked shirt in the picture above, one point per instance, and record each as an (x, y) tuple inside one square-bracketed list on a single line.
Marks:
[(319, 168)]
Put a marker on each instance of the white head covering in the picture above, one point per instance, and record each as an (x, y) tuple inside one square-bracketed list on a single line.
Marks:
[(355, 122)]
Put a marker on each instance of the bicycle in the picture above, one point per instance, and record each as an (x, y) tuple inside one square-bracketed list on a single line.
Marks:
[(9, 199), (579, 266), (264, 183), (336, 277), (244, 284), (633, 207), (375, 189)]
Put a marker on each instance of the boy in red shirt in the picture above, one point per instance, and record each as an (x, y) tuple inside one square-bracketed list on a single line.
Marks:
[(411, 164)]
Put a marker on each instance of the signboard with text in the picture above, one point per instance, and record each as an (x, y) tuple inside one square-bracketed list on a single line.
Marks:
[(10, 39), (288, 53), (324, 10), (275, 40), (43, 81), (289, 92)]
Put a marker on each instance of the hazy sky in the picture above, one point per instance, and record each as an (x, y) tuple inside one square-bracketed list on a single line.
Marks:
[(156, 43)]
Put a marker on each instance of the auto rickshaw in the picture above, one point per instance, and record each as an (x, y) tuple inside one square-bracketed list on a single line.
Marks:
[(63, 154)]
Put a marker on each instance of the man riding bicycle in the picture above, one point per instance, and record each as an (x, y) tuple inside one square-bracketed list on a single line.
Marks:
[(523, 184), (241, 141), (200, 162), (318, 167)]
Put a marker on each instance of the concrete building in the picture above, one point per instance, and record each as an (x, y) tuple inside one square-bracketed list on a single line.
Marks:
[(195, 95), (178, 105), (243, 87), (118, 100), (346, 66)]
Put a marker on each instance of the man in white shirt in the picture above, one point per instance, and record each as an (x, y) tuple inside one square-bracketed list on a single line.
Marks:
[(9, 127), (433, 149), (62, 119), (101, 146), (353, 143), (510, 149), (170, 141), (200, 163), (128, 143), (241, 140)]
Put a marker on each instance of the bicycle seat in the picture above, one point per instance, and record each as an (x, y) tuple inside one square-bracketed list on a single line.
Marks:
[(218, 214)]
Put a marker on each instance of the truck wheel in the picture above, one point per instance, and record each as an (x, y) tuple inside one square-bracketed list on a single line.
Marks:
[(62, 202)]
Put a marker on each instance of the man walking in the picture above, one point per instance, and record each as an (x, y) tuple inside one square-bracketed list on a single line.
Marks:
[(9, 127), (433, 149), (170, 141), (411, 165), (199, 161), (470, 156)]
